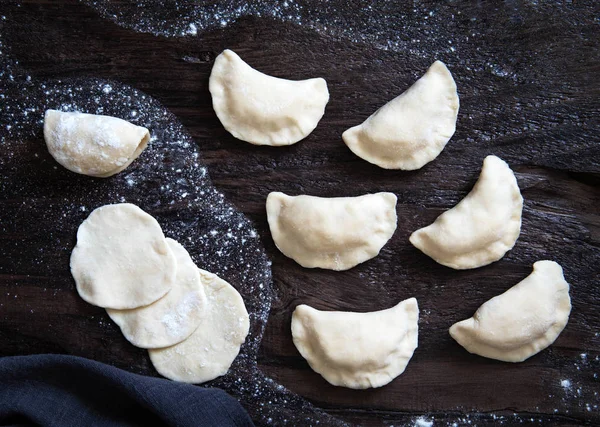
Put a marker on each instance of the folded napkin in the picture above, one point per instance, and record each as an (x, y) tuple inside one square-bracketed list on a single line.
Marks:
[(57, 390)]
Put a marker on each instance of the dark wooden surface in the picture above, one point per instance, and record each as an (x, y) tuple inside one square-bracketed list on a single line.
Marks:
[(527, 76)]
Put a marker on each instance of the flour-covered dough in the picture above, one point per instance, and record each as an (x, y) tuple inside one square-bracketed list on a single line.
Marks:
[(211, 349), (357, 350), (522, 321), (121, 259), (412, 129), (482, 227), (172, 318), (93, 145), (262, 109), (334, 233)]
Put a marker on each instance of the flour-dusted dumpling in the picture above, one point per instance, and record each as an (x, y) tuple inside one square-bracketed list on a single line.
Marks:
[(93, 145), (412, 129), (262, 109), (522, 321), (172, 318), (357, 350), (482, 227), (121, 259), (211, 349), (334, 233)]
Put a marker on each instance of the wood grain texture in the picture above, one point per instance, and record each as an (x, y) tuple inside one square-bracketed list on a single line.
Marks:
[(529, 94)]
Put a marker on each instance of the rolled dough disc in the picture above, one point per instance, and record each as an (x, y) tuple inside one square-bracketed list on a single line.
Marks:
[(211, 349), (121, 259)]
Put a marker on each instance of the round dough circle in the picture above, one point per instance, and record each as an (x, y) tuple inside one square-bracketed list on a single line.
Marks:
[(211, 349), (121, 259), (172, 318)]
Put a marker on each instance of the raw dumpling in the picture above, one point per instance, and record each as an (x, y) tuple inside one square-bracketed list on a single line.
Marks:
[(93, 145), (334, 233), (261, 109), (172, 318), (211, 349), (482, 227), (357, 350), (412, 129), (121, 259), (522, 321)]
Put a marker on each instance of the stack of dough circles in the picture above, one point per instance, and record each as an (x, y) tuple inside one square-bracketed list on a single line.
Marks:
[(172, 318), (121, 259), (192, 322), (211, 349), (93, 145)]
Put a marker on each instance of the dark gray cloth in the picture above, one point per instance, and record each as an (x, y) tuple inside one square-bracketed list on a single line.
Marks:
[(56, 390)]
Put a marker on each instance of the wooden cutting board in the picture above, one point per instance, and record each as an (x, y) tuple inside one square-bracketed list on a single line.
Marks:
[(527, 76)]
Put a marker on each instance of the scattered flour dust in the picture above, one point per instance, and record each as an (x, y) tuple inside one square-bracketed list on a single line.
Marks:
[(378, 23), (175, 321), (423, 422)]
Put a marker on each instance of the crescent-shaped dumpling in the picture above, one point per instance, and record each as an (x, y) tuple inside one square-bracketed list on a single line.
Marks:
[(357, 350), (413, 128), (333, 233), (482, 227), (262, 109), (91, 144), (522, 321)]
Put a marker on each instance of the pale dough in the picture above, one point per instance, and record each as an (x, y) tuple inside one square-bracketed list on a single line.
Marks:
[(262, 109), (482, 227), (121, 259), (172, 318), (333, 233), (412, 129), (357, 350), (211, 349), (522, 321), (93, 145)]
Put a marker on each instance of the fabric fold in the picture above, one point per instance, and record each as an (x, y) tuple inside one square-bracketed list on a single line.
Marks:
[(59, 390)]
